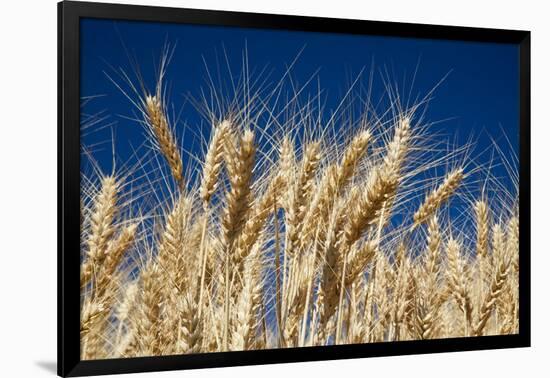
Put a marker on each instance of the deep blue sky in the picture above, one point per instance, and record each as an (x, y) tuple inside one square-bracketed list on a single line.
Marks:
[(481, 92)]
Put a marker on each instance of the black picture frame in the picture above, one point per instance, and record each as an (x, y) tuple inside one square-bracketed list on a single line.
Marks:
[(69, 14)]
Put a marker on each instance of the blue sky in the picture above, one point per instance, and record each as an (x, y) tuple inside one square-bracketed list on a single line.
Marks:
[(479, 96)]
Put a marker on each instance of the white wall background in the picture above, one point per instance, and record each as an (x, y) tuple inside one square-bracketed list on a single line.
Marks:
[(28, 185)]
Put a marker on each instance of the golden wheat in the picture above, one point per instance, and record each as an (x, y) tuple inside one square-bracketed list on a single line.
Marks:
[(318, 245)]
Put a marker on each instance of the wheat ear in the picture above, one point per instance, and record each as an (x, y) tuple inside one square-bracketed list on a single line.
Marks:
[(300, 194), (512, 242), (115, 253), (438, 196), (335, 178), (90, 312), (147, 324), (381, 185), (363, 208), (358, 260), (482, 240), (158, 123), (210, 174), (190, 323), (352, 156), (239, 165), (507, 304), (335, 258), (170, 256), (213, 162), (259, 215), (457, 282), (492, 296), (430, 299), (247, 305), (482, 227), (176, 270), (287, 168), (101, 228), (125, 341), (400, 298)]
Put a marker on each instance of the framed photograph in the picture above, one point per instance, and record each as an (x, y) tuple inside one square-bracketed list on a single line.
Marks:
[(239, 188)]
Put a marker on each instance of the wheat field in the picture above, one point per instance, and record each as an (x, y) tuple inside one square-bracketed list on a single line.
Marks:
[(293, 236)]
